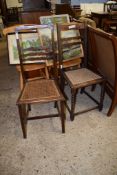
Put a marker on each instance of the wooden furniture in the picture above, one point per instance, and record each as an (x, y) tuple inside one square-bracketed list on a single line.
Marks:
[(99, 17), (32, 69), (32, 17), (36, 90), (77, 78), (67, 9), (29, 5), (104, 60)]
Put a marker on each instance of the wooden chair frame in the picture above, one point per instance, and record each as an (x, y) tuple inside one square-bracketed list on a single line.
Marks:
[(66, 75), (43, 90)]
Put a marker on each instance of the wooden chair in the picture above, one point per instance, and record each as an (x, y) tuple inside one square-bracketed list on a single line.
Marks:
[(104, 60), (37, 90), (32, 69), (77, 78)]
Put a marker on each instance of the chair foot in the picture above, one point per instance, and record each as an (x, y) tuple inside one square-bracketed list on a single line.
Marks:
[(72, 117), (23, 119), (82, 90), (55, 105), (102, 95), (29, 107), (100, 108), (93, 87), (62, 115), (73, 102), (111, 109)]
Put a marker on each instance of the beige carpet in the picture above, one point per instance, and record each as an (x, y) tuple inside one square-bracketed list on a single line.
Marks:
[(89, 146)]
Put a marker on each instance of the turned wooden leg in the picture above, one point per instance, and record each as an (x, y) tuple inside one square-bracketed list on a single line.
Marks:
[(73, 102), (62, 115)]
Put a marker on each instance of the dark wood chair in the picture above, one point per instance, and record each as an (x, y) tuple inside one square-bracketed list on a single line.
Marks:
[(77, 78), (104, 60), (36, 90)]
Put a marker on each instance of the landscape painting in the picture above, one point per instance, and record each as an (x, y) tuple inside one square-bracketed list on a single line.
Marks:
[(71, 51), (28, 40)]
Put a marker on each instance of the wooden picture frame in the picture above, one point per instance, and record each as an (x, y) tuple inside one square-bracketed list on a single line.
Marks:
[(54, 19), (71, 52), (27, 40)]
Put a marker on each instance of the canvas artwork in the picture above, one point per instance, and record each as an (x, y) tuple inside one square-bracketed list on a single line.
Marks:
[(71, 51), (28, 40), (54, 19)]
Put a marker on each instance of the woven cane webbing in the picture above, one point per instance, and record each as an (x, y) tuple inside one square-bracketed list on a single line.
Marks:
[(39, 91), (80, 76)]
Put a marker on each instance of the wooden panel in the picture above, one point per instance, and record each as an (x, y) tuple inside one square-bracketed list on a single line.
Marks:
[(32, 17), (33, 4)]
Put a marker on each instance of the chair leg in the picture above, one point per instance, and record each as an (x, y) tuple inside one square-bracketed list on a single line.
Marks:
[(23, 119), (102, 96), (55, 104), (111, 109), (29, 107), (82, 90), (62, 115), (62, 83), (73, 102), (93, 87)]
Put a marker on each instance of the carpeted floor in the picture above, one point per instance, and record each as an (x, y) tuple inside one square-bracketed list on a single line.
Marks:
[(89, 146)]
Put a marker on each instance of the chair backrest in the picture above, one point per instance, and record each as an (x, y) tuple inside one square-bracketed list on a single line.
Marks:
[(71, 41), (35, 44), (113, 15), (10, 29), (104, 55)]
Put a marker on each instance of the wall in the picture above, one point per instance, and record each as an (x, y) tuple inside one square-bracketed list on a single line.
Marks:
[(86, 5), (88, 8), (13, 3), (87, 1)]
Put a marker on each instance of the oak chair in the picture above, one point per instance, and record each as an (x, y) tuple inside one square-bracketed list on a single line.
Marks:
[(104, 61), (77, 78), (36, 90)]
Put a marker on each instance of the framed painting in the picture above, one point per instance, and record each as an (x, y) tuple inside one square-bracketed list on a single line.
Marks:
[(54, 19), (28, 40), (71, 52)]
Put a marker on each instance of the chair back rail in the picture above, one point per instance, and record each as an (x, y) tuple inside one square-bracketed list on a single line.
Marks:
[(38, 52), (73, 41)]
